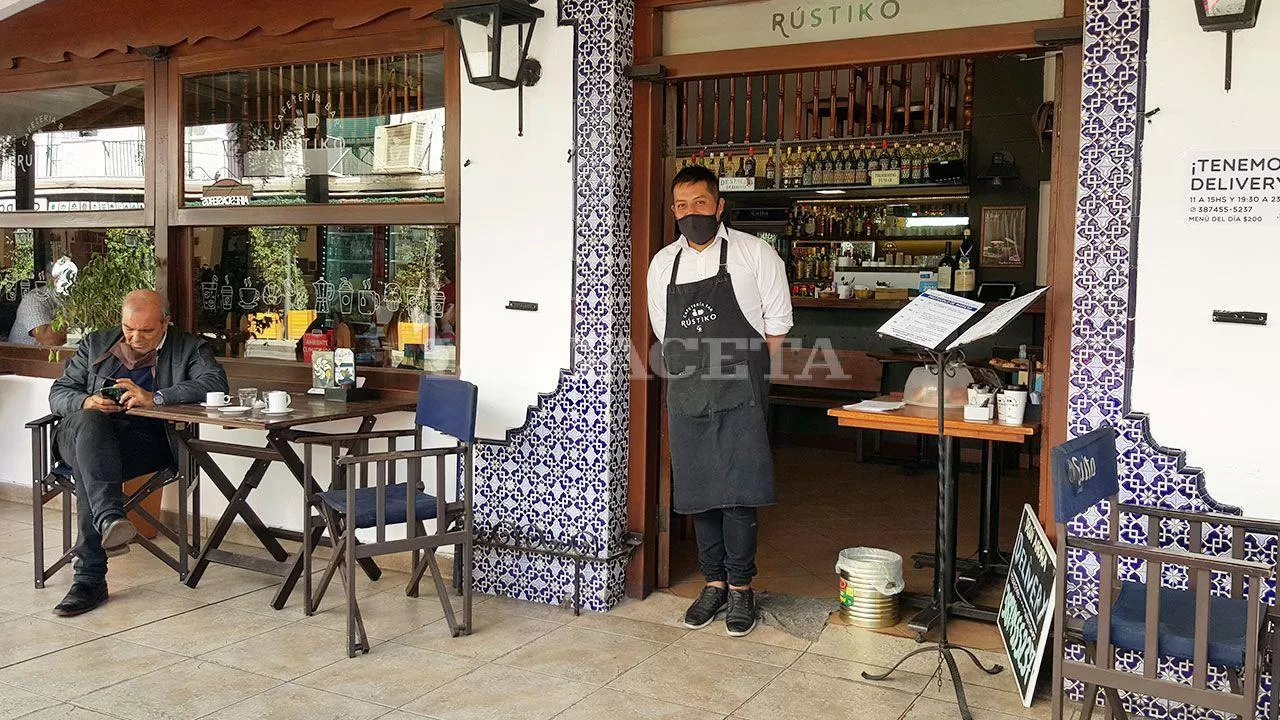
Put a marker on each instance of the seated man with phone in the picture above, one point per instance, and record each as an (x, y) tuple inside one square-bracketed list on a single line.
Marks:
[(142, 363)]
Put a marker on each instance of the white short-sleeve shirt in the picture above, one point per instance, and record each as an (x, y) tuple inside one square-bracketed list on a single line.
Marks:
[(758, 274)]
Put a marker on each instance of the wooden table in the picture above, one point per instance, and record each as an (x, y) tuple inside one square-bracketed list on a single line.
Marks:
[(924, 421), (183, 425)]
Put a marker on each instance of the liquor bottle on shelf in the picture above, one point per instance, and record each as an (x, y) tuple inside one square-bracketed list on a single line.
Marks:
[(842, 167), (792, 177), (917, 163), (829, 167), (749, 167), (886, 159), (860, 168), (720, 170), (810, 223), (806, 177), (873, 162), (770, 171), (926, 157), (742, 170), (965, 274), (946, 268), (895, 160)]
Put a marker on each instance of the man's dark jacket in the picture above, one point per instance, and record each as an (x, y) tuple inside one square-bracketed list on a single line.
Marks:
[(186, 371)]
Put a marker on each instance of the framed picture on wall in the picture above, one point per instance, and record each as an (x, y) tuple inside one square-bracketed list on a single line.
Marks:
[(1004, 237)]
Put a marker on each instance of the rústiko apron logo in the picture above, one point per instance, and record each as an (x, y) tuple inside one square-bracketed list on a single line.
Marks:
[(697, 315)]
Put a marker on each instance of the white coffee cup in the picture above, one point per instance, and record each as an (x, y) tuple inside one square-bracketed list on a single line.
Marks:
[(217, 399), (278, 401), (1012, 406), (845, 291)]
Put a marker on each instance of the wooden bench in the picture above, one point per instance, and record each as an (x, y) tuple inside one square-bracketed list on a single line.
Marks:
[(823, 378)]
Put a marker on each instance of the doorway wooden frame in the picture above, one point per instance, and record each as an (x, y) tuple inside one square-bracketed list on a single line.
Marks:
[(649, 222)]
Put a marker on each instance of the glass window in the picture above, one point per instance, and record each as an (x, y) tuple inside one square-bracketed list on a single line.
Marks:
[(72, 279), (385, 291), (351, 131), (75, 148)]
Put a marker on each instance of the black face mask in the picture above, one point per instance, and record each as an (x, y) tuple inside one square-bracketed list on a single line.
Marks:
[(698, 229)]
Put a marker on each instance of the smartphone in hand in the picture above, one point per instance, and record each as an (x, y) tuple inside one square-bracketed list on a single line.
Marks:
[(113, 393)]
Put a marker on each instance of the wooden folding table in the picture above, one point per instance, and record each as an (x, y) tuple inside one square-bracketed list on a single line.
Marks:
[(183, 424)]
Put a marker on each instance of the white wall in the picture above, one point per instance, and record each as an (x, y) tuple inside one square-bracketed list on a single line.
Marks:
[(1207, 386), (516, 239)]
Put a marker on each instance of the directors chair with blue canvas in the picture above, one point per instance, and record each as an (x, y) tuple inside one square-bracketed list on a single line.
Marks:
[(52, 479), (1188, 637), (446, 405)]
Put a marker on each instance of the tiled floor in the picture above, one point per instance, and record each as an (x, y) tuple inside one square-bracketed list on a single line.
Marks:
[(160, 650)]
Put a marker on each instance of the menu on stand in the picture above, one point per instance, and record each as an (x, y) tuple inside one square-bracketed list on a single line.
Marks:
[(995, 321), (931, 318)]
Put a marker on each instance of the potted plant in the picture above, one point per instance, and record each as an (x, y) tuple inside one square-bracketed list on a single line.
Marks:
[(20, 250), (93, 301)]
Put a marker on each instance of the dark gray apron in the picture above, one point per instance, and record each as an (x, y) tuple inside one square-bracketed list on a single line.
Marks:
[(717, 397)]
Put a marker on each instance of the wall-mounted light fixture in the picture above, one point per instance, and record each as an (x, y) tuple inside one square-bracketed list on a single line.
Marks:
[(495, 36), (1227, 16), (1002, 169)]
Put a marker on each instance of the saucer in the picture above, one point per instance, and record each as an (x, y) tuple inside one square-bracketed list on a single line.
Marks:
[(286, 411), (233, 409), (207, 406)]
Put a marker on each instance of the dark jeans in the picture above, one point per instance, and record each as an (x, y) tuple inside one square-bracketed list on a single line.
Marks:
[(727, 544), (103, 450)]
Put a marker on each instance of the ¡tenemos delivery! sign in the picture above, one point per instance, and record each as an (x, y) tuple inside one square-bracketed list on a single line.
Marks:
[(775, 22), (1233, 188)]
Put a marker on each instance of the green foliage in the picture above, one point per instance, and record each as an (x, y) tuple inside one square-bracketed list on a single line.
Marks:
[(273, 254), (22, 251), (418, 265), (93, 302)]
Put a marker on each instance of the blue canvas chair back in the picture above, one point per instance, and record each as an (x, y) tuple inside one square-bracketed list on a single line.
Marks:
[(448, 405), (1084, 472)]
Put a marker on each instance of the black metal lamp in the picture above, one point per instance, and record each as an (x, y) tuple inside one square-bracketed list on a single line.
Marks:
[(1002, 169), (495, 36), (1227, 16)]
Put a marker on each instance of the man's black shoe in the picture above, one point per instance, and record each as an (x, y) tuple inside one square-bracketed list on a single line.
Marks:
[(82, 598), (117, 532), (703, 611), (741, 618)]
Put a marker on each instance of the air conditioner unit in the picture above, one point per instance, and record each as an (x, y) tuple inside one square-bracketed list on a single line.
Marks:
[(401, 148)]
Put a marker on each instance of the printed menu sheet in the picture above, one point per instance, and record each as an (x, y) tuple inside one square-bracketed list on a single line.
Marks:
[(995, 321), (931, 318)]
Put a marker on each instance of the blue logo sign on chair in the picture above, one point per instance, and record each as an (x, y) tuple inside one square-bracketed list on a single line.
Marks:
[(1084, 473)]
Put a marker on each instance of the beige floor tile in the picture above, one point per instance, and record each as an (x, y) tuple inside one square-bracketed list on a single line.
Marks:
[(862, 645), (660, 607), (294, 702), (24, 598), (6, 616), (285, 653), (12, 512), (697, 679), (202, 630), (495, 691), (188, 690), (81, 669), (495, 634), (391, 674), (535, 611), (763, 634), (386, 615), (67, 712), (609, 703), (139, 567), (902, 680), (19, 541), (25, 638), (814, 697), (220, 582), (15, 702), (1005, 701), (15, 571), (260, 601), (739, 648), (931, 709), (584, 655), (607, 622), (126, 608)]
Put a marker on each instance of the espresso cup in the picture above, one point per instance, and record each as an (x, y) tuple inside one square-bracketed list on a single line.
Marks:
[(217, 399), (1011, 405), (278, 401)]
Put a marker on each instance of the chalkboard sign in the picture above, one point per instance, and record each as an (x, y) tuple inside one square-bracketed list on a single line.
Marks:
[(1027, 602)]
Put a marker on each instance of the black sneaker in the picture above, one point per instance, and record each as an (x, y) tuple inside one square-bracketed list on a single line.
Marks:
[(741, 618), (704, 610)]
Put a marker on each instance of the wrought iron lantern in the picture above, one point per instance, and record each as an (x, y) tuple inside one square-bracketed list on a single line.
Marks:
[(494, 36), (1227, 16)]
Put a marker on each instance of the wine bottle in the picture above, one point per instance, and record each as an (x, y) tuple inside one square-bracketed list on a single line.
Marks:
[(946, 267), (770, 171), (806, 180), (742, 169), (965, 273), (749, 166), (860, 168)]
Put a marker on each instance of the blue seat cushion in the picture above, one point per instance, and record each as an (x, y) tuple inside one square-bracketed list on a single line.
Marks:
[(1176, 634), (367, 505)]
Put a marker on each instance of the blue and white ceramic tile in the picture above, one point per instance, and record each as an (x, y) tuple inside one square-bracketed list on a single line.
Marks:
[(565, 471), (1101, 345)]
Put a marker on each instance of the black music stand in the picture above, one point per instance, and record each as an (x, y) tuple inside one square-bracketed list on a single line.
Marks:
[(963, 331)]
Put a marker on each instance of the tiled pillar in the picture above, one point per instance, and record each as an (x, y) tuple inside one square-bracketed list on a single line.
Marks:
[(562, 478)]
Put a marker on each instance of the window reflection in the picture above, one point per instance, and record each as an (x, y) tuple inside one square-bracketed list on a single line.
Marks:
[(285, 292), (72, 149), (351, 131)]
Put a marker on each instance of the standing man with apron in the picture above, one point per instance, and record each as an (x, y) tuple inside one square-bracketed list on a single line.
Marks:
[(718, 301)]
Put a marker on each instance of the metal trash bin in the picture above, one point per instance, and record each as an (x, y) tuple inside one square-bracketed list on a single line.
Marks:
[(870, 582)]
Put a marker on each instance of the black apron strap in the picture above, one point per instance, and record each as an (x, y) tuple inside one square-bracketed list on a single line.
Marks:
[(675, 267), (724, 256)]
